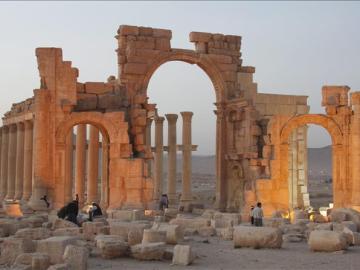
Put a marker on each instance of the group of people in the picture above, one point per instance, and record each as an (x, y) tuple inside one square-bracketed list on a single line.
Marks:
[(256, 215), (70, 212)]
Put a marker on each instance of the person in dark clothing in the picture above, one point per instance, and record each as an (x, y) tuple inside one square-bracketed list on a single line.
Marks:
[(94, 211), (45, 200), (72, 211), (62, 212), (164, 202)]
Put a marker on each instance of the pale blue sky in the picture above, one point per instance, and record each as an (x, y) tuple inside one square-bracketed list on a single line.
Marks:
[(296, 48)]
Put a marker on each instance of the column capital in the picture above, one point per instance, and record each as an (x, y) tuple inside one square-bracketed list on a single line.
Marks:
[(171, 117), (159, 119), (186, 115)]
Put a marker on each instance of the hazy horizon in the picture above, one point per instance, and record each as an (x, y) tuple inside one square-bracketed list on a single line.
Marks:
[(296, 47)]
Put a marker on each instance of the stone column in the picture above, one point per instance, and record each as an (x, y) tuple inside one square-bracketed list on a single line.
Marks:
[(171, 185), (159, 147), (11, 163), (93, 165), (148, 144), (80, 156), (354, 153), (186, 195), (19, 182), (28, 152), (41, 149), (104, 173), (4, 162), (69, 148)]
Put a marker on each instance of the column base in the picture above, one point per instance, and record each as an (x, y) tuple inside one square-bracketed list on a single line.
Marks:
[(35, 202), (25, 208), (185, 205)]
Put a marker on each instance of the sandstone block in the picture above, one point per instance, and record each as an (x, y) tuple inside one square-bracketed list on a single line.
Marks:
[(86, 102), (153, 236), (191, 223), (13, 247), (275, 222), (200, 37), (345, 214), (345, 224), (330, 241), (112, 250), (125, 30), (135, 235), (70, 231), (55, 247), (61, 223), (163, 33), (109, 101), (225, 233), (183, 255), (98, 88), (90, 229), (174, 233), (293, 237), (135, 68), (76, 257), (101, 239), (298, 214), (33, 233), (148, 251), (257, 237), (33, 222), (207, 231), (40, 261), (62, 266)]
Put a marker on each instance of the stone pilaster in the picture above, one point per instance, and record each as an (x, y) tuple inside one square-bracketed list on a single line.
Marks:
[(171, 185), (93, 165), (4, 161), (69, 148), (80, 156), (148, 144), (186, 195), (159, 146), (11, 163), (28, 153), (104, 174), (19, 176)]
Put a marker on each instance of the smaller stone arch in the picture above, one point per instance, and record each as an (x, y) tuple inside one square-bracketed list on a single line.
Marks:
[(317, 119)]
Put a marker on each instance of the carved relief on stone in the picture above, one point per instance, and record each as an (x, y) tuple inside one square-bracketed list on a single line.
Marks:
[(236, 187)]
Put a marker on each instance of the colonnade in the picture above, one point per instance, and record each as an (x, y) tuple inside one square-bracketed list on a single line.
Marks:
[(86, 161), (16, 157), (186, 147)]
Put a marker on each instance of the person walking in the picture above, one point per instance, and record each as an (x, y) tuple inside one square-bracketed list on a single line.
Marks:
[(164, 202), (252, 215), (258, 215)]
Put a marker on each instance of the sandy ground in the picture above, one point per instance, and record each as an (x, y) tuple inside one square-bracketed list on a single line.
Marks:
[(220, 255)]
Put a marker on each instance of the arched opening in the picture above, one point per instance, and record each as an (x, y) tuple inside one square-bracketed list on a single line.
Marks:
[(305, 192), (86, 165), (179, 87)]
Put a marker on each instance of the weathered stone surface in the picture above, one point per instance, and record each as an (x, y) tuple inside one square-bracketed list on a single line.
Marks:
[(293, 237), (101, 239), (207, 231), (323, 240), (90, 229), (114, 249), (123, 228), (40, 261), (76, 257), (33, 233), (225, 233), (13, 247), (346, 214), (191, 223), (148, 251), (174, 233), (61, 223), (345, 224), (183, 255), (62, 266), (153, 236), (257, 237), (55, 247), (70, 231)]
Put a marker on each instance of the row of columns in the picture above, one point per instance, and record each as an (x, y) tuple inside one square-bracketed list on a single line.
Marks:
[(16, 157), (92, 167), (186, 148)]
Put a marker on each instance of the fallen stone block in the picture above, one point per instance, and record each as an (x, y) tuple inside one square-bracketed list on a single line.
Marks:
[(329, 241), (191, 223), (324, 226), (352, 237), (345, 224), (123, 228), (62, 223), (70, 231), (90, 229), (257, 237), (174, 233), (13, 247), (153, 236), (40, 261), (55, 247), (33, 233), (76, 257), (170, 213), (183, 255), (126, 215), (293, 237), (148, 251), (207, 231), (345, 214), (298, 214), (208, 213), (275, 222), (101, 239), (62, 266), (112, 250), (225, 233)]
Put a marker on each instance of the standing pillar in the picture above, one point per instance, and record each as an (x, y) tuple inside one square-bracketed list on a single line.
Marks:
[(104, 173), (186, 195), (28, 152), (354, 153), (159, 147), (171, 186), (41, 150), (11, 163), (93, 165), (148, 144), (19, 180), (69, 148), (80, 156), (4, 162)]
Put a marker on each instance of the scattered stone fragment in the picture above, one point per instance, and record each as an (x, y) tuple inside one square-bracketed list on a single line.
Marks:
[(183, 255)]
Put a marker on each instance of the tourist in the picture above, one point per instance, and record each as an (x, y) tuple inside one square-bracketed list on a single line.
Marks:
[(45, 200), (164, 202), (72, 211), (252, 215), (258, 215), (94, 211)]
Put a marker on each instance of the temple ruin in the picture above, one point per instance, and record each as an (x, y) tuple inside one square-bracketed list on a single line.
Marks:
[(261, 138)]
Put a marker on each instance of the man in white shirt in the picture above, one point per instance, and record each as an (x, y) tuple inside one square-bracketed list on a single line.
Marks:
[(258, 215)]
